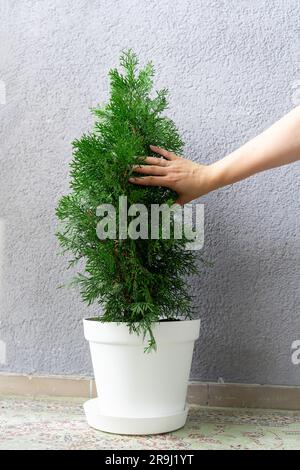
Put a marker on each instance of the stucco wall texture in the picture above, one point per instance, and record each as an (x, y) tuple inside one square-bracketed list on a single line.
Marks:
[(232, 68)]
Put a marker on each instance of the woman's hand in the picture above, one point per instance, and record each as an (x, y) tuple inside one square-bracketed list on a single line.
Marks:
[(276, 146), (190, 180)]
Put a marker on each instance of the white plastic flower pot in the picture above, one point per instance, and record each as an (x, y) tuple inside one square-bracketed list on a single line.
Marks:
[(138, 392)]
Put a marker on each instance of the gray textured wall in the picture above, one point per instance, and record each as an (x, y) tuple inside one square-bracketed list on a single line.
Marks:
[(232, 67)]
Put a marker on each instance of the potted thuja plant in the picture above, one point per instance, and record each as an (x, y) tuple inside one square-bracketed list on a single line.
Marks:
[(142, 341)]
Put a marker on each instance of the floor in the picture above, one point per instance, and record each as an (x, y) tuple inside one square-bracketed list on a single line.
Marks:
[(52, 423)]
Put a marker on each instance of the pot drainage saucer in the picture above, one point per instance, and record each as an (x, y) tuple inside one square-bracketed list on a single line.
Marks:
[(124, 425)]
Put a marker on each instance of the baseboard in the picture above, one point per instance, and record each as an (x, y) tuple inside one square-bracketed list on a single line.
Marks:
[(235, 395), (207, 394)]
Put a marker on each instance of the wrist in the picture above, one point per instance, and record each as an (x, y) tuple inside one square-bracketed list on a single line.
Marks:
[(216, 175), (232, 168)]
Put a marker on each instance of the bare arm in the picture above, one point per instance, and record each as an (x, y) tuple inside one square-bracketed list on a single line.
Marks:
[(276, 146)]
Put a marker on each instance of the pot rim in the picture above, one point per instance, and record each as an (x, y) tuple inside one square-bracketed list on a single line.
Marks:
[(119, 332), (163, 320)]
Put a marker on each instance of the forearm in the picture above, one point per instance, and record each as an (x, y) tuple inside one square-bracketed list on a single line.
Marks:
[(278, 145)]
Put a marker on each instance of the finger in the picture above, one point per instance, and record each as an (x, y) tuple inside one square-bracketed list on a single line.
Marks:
[(179, 201), (156, 161), (149, 181), (165, 153), (182, 200), (150, 169)]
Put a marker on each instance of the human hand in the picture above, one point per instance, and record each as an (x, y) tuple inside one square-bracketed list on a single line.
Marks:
[(190, 180)]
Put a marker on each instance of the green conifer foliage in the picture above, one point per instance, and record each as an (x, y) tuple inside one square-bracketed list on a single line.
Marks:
[(138, 282)]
